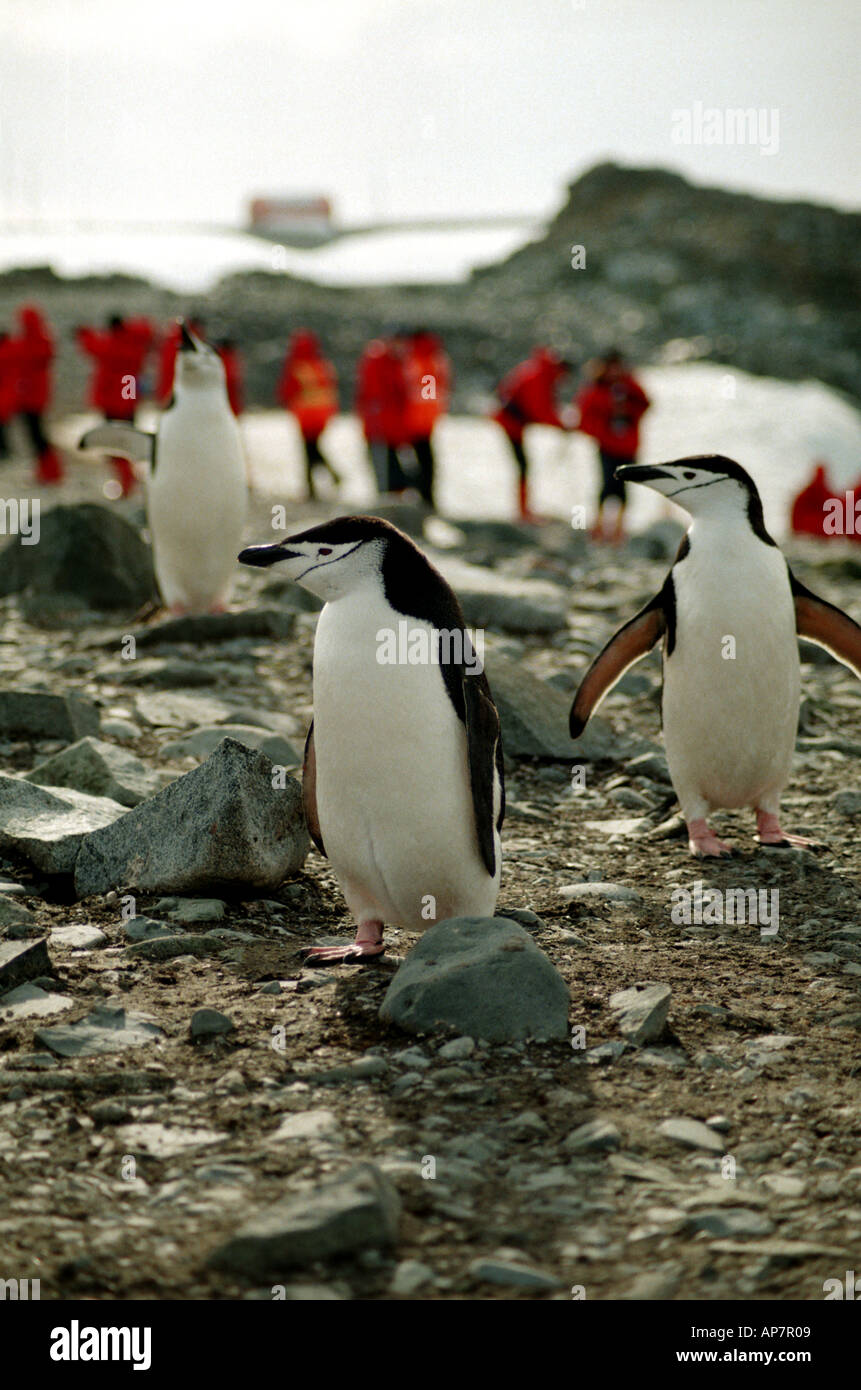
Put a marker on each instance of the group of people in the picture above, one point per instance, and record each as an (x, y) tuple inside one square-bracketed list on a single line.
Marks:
[(403, 389)]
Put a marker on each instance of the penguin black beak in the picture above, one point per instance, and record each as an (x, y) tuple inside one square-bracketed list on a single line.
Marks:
[(640, 473), (263, 555), (186, 342)]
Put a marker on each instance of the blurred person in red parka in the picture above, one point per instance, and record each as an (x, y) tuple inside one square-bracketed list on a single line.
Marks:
[(427, 382), (527, 396), (31, 355), (118, 353), (308, 388), (229, 353), (611, 406), (381, 401), (808, 514), (8, 385)]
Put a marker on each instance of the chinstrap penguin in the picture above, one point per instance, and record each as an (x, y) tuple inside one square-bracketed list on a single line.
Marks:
[(730, 614), (196, 481), (403, 777)]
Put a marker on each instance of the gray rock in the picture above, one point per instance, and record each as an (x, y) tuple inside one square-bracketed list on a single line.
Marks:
[(203, 741), (219, 627), (145, 929), (731, 1221), (163, 1141), (660, 541), (191, 909), (307, 1125), (354, 1212), (409, 1277), (534, 718), (37, 714), (172, 947), (104, 1030), (123, 730), (29, 1001), (642, 1011), (20, 962), (595, 1136), (209, 1023), (48, 825), (179, 711), (483, 976), (846, 803), (85, 551), (222, 824), (502, 603), (77, 938), (693, 1134), (14, 914), (457, 1049), (100, 769), (602, 892), (512, 1274)]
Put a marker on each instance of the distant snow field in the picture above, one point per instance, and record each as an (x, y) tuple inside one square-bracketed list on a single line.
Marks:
[(191, 262), (774, 429)]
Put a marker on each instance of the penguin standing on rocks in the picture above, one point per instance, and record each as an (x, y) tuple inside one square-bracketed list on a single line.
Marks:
[(730, 614), (403, 779), (196, 485)]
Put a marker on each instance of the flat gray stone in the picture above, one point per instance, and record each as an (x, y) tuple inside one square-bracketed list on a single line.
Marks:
[(21, 961), (307, 1125), (600, 892), (100, 769), (145, 929), (512, 1274), (501, 602), (731, 1221), (203, 741), (164, 1141), (47, 825), (37, 714), (219, 627), (222, 824), (356, 1211), (104, 1030), (14, 914), (77, 938), (642, 1011), (595, 1136), (191, 909), (176, 710), (155, 946), (693, 1134), (483, 976), (29, 1001)]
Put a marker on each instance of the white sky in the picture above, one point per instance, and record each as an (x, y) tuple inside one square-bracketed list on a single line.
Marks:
[(179, 110)]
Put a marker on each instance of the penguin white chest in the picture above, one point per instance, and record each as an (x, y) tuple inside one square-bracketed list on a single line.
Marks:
[(196, 503), (392, 779), (732, 681)]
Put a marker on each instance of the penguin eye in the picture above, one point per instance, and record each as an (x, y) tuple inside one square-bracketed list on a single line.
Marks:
[(325, 550), (689, 475)]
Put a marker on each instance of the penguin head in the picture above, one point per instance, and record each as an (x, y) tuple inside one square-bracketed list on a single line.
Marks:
[(333, 559), (704, 484), (197, 364)]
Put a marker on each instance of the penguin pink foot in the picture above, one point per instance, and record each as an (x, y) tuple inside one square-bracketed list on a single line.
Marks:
[(770, 833), (703, 843), (367, 945)]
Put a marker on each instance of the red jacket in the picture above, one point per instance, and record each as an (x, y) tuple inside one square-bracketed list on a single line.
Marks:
[(528, 394), (8, 378), (32, 354), (233, 376), (808, 508), (308, 386), (118, 355), (610, 411), (427, 382), (381, 394)]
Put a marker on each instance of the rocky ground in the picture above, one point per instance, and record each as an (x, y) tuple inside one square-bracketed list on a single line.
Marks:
[(701, 1142)]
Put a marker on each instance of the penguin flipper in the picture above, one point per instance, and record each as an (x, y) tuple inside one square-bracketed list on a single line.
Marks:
[(309, 791), (136, 445), (626, 646), (819, 621), (483, 742)]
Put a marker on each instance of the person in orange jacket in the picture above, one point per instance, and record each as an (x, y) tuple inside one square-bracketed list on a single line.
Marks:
[(119, 353), (611, 406), (308, 388), (427, 381), (381, 401), (229, 354), (808, 507), (32, 355), (527, 396)]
